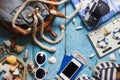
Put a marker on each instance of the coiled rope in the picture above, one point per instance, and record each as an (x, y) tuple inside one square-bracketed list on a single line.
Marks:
[(38, 16)]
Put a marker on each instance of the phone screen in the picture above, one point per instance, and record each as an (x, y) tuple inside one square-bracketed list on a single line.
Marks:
[(70, 69)]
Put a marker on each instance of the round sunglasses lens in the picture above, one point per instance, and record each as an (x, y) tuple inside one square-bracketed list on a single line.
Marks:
[(40, 73), (41, 58)]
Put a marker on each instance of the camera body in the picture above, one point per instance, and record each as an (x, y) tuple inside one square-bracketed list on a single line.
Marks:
[(94, 11)]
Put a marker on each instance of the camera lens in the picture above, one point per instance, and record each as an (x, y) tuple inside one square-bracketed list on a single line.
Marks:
[(103, 8), (40, 73), (40, 58)]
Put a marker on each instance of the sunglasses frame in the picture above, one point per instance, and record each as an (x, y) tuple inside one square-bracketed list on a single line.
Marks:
[(39, 65)]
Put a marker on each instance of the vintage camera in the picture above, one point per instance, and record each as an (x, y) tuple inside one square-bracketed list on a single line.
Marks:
[(94, 11)]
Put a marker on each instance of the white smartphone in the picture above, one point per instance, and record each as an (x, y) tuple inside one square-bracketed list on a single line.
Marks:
[(70, 69)]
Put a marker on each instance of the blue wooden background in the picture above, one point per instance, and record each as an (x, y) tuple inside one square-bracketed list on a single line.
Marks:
[(72, 41)]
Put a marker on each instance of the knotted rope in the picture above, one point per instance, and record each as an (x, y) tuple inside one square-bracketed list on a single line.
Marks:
[(38, 16)]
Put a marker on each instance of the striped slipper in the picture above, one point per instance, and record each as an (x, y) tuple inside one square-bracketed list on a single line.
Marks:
[(106, 70), (85, 77)]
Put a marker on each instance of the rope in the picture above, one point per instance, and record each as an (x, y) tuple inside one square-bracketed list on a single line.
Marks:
[(34, 29), (76, 11), (42, 30), (27, 2)]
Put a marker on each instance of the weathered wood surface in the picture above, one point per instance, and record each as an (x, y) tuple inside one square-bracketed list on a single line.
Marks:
[(72, 41)]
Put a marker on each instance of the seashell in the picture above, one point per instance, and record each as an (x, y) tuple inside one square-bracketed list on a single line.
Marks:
[(19, 48), (52, 60), (79, 28), (16, 72), (7, 43), (92, 55), (46, 70), (11, 59), (7, 76), (1, 67), (74, 20), (6, 67), (112, 57), (25, 54), (31, 66)]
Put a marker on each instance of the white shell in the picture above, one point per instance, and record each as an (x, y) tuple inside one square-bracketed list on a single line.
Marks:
[(74, 20), (112, 57), (6, 67), (92, 55), (16, 72), (52, 60), (79, 28), (7, 43)]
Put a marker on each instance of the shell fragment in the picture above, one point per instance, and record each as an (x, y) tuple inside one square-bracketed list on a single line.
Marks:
[(78, 28), (112, 57), (52, 60), (92, 55)]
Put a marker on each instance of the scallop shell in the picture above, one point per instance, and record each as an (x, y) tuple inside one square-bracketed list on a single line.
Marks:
[(52, 60), (112, 57)]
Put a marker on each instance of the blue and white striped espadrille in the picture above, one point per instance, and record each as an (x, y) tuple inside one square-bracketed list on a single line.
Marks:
[(106, 70)]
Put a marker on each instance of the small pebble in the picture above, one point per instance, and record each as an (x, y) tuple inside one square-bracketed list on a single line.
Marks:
[(78, 28), (52, 60), (90, 67), (92, 55), (112, 57), (74, 20)]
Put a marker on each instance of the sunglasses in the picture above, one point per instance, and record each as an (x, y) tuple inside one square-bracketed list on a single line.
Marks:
[(40, 59)]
